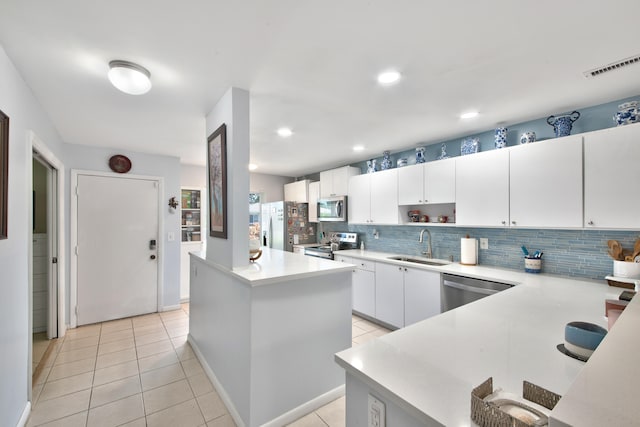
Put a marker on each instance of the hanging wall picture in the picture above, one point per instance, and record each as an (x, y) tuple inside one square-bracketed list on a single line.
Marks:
[(4, 173), (217, 162)]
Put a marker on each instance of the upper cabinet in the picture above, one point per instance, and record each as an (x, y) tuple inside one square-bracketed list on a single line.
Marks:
[(373, 198), (546, 183), (611, 159), (314, 193), (297, 191), (482, 189), (335, 182), (433, 182)]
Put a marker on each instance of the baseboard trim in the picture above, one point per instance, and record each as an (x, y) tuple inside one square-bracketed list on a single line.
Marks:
[(216, 383), (171, 307), (25, 415), (306, 408)]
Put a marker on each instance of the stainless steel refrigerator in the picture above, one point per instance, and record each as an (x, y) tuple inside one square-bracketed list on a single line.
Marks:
[(284, 224)]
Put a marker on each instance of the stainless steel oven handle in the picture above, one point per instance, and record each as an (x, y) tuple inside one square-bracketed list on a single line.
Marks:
[(473, 289)]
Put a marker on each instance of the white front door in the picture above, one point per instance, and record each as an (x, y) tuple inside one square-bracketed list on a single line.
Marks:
[(117, 262)]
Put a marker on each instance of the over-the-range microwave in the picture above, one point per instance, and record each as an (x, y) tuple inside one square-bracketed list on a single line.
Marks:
[(332, 209)]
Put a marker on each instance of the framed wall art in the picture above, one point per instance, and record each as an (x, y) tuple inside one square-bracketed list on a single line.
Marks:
[(217, 162), (4, 173)]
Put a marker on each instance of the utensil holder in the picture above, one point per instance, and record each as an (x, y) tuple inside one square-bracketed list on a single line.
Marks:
[(532, 265)]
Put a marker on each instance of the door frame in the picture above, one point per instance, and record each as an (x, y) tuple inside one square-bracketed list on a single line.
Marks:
[(73, 285), (35, 144)]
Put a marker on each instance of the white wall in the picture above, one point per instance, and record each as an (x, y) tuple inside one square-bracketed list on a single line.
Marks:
[(233, 110), (271, 186), (193, 176), (25, 113), (97, 159)]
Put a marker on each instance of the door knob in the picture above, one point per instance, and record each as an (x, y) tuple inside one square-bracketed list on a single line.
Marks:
[(152, 257)]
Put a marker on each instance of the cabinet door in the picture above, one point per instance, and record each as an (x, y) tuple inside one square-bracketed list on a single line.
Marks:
[(314, 193), (363, 286), (421, 295), (389, 301), (611, 159), (411, 185), (297, 191), (384, 197), (482, 189), (440, 181), (342, 258), (359, 200), (546, 183), (326, 184), (341, 179)]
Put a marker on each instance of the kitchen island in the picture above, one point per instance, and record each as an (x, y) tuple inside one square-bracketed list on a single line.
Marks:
[(424, 373), (266, 333)]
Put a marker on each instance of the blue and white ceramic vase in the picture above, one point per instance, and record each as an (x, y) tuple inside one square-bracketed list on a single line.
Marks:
[(501, 137), (627, 113), (386, 161), (443, 152), (420, 155), (562, 124), (528, 138), (371, 166)]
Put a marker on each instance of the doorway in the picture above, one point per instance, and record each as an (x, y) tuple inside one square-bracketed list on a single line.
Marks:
[(46, 249), (116, 246)]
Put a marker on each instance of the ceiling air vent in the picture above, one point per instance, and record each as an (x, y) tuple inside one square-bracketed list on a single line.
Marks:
[(611, 67)]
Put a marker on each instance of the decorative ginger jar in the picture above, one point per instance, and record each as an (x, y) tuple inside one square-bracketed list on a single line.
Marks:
[(420, 155), (386, 161), (627, 113), (528, 138), (500, 137)]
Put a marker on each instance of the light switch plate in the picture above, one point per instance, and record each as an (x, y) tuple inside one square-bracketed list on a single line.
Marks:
[(484, 243), (171, 236)]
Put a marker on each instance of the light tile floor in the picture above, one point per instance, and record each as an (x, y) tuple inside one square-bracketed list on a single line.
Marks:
[(140, 371)]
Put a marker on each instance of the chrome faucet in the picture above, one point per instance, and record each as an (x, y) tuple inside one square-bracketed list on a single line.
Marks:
[(426, 253)]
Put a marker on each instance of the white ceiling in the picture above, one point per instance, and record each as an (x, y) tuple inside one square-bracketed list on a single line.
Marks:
[(311, 65)]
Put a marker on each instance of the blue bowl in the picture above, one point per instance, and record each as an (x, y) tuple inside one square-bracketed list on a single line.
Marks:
[(584, 334)]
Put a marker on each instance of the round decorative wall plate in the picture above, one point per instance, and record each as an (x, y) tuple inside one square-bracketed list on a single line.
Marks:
[(120, 163)]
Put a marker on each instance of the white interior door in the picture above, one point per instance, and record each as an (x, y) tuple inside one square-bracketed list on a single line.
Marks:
[(116, 263)]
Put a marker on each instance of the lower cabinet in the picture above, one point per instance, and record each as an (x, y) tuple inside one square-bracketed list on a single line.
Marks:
[(406, 295), (363, 285), (390, 294), (421, 295)]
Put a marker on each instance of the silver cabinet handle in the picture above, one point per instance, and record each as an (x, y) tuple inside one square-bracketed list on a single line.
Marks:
[(513, 222), (504, 222), (590, 223)]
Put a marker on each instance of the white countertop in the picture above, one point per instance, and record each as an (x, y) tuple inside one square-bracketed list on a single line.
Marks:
[(276, 266), (431, 367)]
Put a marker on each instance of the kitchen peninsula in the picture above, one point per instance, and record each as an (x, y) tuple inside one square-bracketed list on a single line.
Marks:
[(424, 373), (266, 333)]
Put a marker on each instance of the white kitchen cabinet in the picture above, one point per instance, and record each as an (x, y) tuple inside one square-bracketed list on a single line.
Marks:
[(611, 159), (314, 194), (363, 285), (482, 189), (389, 299), (411, 185), (335, 182), (297, 191), (421, 295), (373, 198), (546, 183), (432, 182), (440, 181)]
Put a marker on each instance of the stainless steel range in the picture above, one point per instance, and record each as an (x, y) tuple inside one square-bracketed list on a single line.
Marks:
[(338, 241)]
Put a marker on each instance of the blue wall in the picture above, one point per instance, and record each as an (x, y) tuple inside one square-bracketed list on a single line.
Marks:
[(578, 253)]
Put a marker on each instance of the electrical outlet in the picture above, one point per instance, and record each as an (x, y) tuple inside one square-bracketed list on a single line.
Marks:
[(376, 412), (484, 243)]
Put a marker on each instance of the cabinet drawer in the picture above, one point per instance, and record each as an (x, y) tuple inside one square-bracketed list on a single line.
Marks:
[(363, 264)]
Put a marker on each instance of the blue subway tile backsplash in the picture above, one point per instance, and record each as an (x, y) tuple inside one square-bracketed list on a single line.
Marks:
[(576, 253)]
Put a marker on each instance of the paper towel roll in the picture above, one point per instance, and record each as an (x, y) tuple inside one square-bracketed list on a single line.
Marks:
[(468, 251)]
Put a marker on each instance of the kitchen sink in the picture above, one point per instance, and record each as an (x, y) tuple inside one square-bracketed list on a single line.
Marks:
[(422, 261)]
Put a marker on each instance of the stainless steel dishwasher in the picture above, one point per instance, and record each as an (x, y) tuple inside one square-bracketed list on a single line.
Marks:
[(460, 290)]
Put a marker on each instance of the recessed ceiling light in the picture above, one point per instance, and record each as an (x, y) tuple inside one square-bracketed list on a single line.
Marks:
[(285, 132), (252, 166), (358, 147), (388, 77), (469, 115), (128, 77)]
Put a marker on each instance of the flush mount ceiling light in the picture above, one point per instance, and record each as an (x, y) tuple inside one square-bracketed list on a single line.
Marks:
[(252, 166), (358, 148), (469, 115), (285, 132), (129, 77), (388, 77)]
